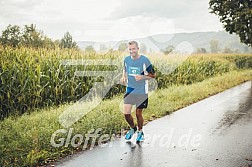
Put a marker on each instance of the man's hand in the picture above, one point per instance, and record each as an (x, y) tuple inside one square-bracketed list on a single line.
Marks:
[(139, 77), (123, 80)]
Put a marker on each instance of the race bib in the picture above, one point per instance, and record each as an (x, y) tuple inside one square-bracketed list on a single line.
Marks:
[(133, 71)]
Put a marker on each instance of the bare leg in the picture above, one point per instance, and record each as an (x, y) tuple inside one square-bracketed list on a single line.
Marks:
[(140, 119), (128, 116), (130, 120)]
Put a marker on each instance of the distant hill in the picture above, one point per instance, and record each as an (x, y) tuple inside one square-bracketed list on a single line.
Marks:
[(196, 39)]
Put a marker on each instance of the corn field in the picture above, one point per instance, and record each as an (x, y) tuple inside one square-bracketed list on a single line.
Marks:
[(35, 78)]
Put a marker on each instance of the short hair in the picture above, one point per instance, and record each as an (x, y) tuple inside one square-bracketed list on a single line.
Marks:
[(133, 42)]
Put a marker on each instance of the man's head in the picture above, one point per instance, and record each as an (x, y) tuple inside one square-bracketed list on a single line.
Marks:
[(133, 48)]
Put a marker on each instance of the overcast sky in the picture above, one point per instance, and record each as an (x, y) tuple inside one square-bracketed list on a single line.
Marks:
[(107, 20)]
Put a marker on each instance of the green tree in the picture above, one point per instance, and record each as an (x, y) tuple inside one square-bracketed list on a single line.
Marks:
[(11, 36), (237, 51), (123, 46), (168, 49), (201, 50), (32, 37), (67, 41), (236, 16), (227, 50), (49, 43), (57, 43), (214, 46), (89, 48)]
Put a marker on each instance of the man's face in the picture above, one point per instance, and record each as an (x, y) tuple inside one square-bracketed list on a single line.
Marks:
[(133, 49)]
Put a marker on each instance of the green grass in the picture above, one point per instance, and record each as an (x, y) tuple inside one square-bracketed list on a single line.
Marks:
[(25, 140)]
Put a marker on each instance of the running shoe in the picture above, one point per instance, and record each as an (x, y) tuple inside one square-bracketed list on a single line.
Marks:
[(140, 136), (130, 133)]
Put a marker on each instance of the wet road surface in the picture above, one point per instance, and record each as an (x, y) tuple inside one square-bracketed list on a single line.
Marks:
[(216, 131)]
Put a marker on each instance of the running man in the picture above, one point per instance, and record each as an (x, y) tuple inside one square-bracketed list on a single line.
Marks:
[(137, 70)]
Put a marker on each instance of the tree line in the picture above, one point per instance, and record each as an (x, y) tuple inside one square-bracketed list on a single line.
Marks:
[(30, 36)]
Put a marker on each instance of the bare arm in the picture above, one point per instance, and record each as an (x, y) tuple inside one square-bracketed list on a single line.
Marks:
[(150, 75), (123, 80), (145, 77)]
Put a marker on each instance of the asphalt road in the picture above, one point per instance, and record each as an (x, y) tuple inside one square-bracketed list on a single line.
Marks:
[(216, 131)]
